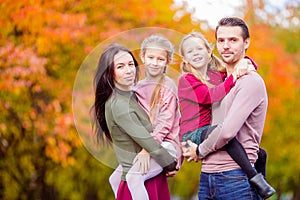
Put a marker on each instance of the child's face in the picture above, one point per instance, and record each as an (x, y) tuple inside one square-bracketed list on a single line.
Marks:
[(196, 53), (155, 60)]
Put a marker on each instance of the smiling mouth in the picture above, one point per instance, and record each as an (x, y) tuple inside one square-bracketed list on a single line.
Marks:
[(129, 78), (154, 68), (197, 59)]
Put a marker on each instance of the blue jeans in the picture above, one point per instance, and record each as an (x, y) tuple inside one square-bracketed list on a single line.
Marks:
[(229, 185)]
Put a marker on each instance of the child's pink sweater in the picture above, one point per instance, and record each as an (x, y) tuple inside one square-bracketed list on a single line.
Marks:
[(166, 123)]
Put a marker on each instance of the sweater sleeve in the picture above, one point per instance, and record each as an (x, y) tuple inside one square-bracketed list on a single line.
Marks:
[(204, 94), (129, 121), (246, 99)]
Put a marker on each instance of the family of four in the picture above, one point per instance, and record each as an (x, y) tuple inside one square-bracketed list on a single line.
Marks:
[(216, 115)]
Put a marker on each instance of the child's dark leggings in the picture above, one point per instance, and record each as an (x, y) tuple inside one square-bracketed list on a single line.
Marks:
[(239, 155)]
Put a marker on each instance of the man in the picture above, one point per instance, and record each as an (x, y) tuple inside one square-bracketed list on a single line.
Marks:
[(241, 114)]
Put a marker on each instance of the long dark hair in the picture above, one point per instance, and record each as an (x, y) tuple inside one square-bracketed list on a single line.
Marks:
[(104, 86)]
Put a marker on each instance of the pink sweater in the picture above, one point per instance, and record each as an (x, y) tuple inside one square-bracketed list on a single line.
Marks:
[(166, 123), (241, 114), (196, 99)]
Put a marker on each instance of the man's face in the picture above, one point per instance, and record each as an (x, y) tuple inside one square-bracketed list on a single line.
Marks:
[(230, 44)]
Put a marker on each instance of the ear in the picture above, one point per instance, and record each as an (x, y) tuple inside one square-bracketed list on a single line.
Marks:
[(246, 43), (142, 58), (209, 51), (170, 60), (183, 60)]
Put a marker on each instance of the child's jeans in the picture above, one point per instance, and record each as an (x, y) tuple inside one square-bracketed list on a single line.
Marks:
[(194, 136)]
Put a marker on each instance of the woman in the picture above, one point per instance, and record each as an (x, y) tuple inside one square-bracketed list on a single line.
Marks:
[(201, 85), (122, 121), (157, 94)]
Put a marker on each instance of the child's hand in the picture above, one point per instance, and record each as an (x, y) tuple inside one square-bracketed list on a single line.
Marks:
[(142, 159), (243, 67)]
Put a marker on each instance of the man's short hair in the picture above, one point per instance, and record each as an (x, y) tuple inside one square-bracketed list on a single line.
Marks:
[(234, 21)]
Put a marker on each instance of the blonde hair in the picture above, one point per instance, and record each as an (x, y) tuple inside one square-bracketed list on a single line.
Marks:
[(214, 63), (160, 42)]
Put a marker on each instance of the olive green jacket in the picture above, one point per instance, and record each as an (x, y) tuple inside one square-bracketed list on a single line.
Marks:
[(130, 129)]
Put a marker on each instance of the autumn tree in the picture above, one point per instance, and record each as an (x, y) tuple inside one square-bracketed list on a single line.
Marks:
[(42, 44)]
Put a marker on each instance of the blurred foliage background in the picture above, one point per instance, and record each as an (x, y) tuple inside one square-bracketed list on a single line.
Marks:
[(42, 46)]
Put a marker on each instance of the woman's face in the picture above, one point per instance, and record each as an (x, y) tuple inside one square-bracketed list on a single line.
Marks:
[(196, 53), (155, 59), (124, 71)]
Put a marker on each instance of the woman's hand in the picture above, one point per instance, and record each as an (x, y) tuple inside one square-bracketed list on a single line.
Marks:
[(172, 173), (189, 151), (142, 159)]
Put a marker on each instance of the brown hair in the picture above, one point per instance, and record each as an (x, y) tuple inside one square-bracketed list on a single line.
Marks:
[(234, 21)]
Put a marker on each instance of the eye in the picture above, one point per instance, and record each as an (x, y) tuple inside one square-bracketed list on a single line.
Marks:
[(220, 40)]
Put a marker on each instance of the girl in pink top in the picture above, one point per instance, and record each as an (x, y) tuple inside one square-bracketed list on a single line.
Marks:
[(157, 94), (201, 85)]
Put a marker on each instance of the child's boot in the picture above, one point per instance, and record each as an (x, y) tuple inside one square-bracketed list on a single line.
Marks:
[(262, 187)]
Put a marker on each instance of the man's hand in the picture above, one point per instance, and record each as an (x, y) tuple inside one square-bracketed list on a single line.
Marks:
[(142, 159), (189, 151)]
